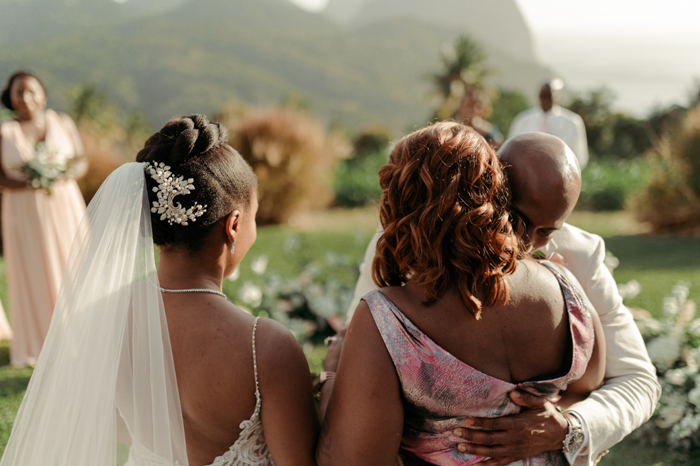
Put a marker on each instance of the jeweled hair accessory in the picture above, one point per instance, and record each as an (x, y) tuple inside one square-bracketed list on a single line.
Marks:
[(168, 188)]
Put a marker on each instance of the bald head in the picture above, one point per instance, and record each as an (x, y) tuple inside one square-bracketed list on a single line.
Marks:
[(545, 181)]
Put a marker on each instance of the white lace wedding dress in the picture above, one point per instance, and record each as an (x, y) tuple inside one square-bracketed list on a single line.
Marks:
[(250, 449)]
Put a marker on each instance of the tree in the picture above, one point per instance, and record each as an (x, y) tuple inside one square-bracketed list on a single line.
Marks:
[(86, 104), (510, 102), (462, 69)]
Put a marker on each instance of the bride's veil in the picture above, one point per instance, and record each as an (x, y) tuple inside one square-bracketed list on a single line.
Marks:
[(106, 369)]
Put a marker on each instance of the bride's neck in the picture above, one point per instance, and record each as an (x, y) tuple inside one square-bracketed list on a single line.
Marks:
[(179, 269)]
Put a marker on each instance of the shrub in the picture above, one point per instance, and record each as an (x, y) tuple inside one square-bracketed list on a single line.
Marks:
[(506, 107), (103, 157), (356, 180), (371, 140), (312, 302), (610, 185), (292, 156), (671, 200)]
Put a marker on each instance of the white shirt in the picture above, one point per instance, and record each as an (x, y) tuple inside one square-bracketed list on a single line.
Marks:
[(559, 122), (630, 391)]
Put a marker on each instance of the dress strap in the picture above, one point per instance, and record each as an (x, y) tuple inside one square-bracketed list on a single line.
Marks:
[(255, 367)]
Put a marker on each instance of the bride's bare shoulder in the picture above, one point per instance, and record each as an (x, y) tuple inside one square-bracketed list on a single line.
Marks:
[(276, 346)]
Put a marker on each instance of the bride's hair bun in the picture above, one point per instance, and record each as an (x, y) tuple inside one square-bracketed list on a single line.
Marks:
[(183, 138), (194, 147)]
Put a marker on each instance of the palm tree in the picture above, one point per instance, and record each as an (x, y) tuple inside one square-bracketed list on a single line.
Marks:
[(463, 68)]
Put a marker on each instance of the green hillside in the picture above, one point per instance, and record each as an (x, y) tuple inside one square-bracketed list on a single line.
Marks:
[(203, 53)]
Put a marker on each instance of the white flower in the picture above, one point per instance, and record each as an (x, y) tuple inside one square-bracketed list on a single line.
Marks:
[(694, 328), (259, 265), (694, 396), (685, 427), (611, 261), (680, 292), (251, 294), (630, 289), (676, 376), (664, 350), (671, 306), (649, 327), (669, 415)]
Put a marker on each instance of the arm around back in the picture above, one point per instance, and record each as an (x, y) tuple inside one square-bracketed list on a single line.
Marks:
[(594, 376), (288, 413), (630, 392)]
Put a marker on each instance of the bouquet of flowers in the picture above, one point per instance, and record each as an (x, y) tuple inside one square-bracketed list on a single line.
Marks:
[(47, 167)]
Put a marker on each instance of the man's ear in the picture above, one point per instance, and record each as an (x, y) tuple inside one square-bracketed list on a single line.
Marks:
[(232, 224)]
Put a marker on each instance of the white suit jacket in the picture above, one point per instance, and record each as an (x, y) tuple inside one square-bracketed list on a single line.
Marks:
[(565, 124), (630, 391)]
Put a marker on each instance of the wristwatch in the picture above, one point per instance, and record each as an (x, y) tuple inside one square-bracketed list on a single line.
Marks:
[(574, 439)]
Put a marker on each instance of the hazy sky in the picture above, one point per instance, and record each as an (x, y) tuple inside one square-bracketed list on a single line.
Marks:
[(646, 51)]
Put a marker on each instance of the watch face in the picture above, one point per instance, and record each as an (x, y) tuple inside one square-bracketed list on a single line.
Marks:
[(573, 441)]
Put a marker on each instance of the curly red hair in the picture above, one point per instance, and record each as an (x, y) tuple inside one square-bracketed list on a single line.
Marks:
[(444, 210)]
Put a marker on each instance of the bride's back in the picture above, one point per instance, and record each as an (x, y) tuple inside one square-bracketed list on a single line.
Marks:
[(212, 351), (226, 361)]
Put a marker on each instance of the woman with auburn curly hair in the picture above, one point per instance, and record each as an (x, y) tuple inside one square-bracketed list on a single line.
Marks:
[(463, 317)]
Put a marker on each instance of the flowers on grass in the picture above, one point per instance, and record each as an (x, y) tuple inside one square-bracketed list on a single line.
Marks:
[(673, 343), (312, 305)]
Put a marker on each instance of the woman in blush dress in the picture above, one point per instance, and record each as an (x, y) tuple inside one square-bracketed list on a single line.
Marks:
[(462, 320), (38, 225)]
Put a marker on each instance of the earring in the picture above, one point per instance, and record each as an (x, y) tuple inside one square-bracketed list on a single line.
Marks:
[(233, 246)]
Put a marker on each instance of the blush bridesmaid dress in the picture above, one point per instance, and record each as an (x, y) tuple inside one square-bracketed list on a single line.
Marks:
[(37, 231)]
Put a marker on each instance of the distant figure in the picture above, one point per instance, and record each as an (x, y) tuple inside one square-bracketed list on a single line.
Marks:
[(38, 223), (552, 119), (473, 111)]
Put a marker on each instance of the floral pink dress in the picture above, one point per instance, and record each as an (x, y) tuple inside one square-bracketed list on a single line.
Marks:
[(439, 390), (37, 231)]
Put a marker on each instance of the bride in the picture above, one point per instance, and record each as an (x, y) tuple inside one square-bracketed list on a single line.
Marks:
[(160, 360)]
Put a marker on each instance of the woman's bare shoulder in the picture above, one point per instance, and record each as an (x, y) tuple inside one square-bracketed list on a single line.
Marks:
[(276, 347), (536, 296)]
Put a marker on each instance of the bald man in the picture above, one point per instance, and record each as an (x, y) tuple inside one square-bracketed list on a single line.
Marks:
[(545, 182)]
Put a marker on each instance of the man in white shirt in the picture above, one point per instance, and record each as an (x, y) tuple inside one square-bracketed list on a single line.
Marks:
[(552, 119), (545, 185)]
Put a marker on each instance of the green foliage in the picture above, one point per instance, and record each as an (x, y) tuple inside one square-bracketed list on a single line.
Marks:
[(609, 134), (87, 103), (356, 180), (611, 184), (510, 102), (371, 140), (304, 280)]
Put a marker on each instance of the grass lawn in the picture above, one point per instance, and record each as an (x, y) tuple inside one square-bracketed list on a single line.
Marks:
[(657, 262)]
